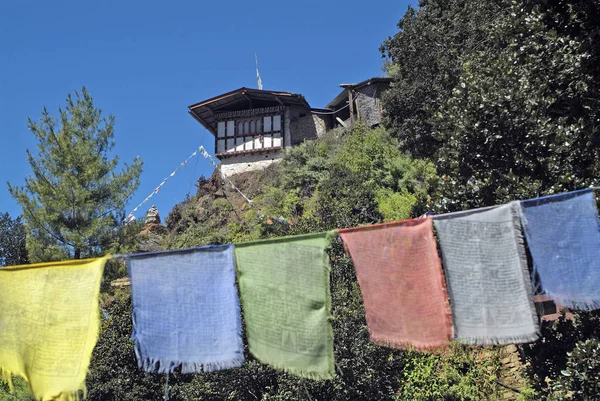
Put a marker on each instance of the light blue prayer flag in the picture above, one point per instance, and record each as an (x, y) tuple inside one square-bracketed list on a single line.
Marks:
[(563, 236), (186, 310)]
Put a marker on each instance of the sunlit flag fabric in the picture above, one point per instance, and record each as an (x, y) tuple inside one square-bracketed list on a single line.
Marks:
[(563, 236), (487, 275), (186, 310), (49, 324), (401, 279), (284, 286)]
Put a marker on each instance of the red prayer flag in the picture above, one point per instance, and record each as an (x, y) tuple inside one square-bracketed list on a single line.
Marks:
[(401, 279)]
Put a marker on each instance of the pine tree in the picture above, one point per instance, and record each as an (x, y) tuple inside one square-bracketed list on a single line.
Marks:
[(73, 200), (12, 241)]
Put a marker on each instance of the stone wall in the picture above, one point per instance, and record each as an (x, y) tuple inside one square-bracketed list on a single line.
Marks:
[(310, 126), (251, 162), (512, 374), (369, 105), (320, 124)]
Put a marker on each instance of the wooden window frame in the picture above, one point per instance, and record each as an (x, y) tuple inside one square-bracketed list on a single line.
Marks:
[(250, 123)]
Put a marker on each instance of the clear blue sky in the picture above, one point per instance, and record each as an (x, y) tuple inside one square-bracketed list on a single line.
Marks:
[(145, 62)]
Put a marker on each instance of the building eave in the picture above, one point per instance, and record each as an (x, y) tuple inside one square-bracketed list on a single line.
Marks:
[(204, 111), (343, 95)]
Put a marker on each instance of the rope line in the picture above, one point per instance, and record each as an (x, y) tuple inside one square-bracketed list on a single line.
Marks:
[(130, 216)]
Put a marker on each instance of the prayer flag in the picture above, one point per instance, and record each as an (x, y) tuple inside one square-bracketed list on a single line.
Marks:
[(488, 279), (186, 310), (400, 277), (49, 324), (284, 287), (563, 236)]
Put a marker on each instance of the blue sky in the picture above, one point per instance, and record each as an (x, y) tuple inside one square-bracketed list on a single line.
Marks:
[(145, 62)]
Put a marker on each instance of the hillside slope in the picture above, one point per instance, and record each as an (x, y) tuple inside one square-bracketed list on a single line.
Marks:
[(347, 178)]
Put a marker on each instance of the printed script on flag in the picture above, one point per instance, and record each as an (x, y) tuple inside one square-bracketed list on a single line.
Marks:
[(284, 286), (401, 279), (49, 324), (186, 310), (488, 278)]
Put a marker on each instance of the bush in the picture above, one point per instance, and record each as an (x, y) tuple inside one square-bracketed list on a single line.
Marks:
[(579, 380)]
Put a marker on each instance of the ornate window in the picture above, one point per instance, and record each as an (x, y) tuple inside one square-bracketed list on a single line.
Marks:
[(248, 133)]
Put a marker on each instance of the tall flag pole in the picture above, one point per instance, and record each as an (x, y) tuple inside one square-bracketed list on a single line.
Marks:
[(257, 74)]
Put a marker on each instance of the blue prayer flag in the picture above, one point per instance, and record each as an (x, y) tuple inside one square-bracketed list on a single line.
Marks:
[(563, 236), (186, 310)]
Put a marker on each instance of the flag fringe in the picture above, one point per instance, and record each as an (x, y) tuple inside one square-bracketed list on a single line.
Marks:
[(579, 304), (152, 365), (409, 345), (6, 376), (499, 340), (329, 375)]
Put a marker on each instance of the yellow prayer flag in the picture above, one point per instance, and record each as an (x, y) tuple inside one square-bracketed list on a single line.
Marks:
[(49, 324)]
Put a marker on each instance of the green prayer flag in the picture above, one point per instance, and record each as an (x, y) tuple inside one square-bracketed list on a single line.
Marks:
[(284, 288)]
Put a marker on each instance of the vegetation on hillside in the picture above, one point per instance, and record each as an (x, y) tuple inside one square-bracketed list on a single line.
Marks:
[(491, 101), (341, 180)]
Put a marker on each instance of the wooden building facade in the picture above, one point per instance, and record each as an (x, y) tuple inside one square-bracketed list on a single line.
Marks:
[(251, 126)]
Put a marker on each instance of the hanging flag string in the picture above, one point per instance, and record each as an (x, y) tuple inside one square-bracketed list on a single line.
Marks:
[(215, 163), (566, 195), (130, 216)]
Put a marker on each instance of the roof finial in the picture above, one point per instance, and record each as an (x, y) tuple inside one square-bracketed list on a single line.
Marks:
[(257, 74)]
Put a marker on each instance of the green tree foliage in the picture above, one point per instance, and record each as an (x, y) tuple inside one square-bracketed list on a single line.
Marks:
[(18, 392), (524, 120), (579, 381), (503, 96), (426, 57), (72, 202), (565, 359), (463, 374), (12, 241), (348, 179)]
